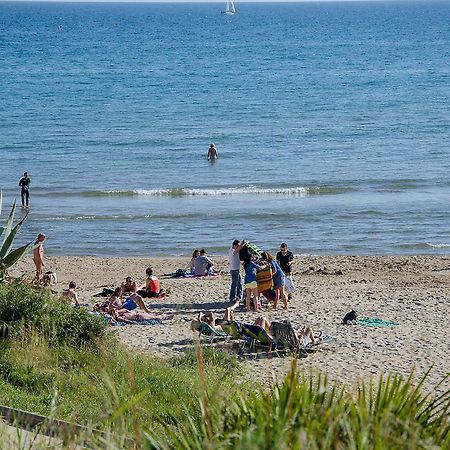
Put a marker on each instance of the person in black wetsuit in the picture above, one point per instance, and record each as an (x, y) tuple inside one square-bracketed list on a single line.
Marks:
[(24, 184)]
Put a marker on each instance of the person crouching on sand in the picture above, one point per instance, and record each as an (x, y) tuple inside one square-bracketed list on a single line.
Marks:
[(38, 257)]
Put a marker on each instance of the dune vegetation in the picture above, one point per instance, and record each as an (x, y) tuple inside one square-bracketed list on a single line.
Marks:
[(65, 363)]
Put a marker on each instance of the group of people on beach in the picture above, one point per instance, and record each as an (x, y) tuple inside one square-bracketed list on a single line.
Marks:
[(255, 263), (200, 264), (126, 302)]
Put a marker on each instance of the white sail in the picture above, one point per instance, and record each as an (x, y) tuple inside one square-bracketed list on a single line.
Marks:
[(230, 9)]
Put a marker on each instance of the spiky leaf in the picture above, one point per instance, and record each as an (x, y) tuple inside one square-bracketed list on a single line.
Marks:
[(15, 255), (9, 239), (9, 222)]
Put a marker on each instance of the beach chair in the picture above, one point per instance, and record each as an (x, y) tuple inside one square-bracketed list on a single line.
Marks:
[(206, 330), (257, 335), (285, 337), (233, 329)]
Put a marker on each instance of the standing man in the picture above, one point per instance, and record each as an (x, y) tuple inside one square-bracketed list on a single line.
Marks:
[(285, 259), (38, 256), (24, 184), (235, 264)]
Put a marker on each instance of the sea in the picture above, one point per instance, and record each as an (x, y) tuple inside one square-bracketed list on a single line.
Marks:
[(332, 123)]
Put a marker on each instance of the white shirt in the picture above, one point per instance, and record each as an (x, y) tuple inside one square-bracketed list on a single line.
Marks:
[(233, 258)]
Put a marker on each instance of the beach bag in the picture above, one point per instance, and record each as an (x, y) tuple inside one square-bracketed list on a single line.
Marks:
[(269, 294), (289, 285), (180, 273), (49, 278), (350, 318)]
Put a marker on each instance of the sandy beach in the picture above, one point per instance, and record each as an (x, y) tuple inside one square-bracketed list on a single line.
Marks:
[(411, 290)]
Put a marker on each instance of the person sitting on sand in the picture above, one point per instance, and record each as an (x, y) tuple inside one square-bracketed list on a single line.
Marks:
[(152, 286), (129, 286), (132, 301), (71, 293), (195, 254), (202, 265)]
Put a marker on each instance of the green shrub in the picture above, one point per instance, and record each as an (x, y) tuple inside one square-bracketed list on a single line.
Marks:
[(24, 308), (308, 412)]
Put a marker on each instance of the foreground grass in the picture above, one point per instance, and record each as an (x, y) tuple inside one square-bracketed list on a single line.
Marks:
[(63, 362), (82, 374)]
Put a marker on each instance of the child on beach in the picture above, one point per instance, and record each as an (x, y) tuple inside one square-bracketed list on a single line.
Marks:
[(250, 285), (71, 293)]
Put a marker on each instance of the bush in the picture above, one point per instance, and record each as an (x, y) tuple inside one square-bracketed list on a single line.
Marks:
[(308, 412), (24, 308)]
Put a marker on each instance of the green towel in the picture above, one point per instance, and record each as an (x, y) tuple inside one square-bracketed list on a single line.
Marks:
[(375, 322)]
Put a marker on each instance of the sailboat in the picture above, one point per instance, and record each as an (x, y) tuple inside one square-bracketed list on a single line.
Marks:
[(230, 9)]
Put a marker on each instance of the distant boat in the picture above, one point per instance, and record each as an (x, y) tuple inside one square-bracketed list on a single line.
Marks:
[(230, 9)]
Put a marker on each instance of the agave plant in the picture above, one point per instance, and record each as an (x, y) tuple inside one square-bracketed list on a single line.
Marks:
[(9, 257)]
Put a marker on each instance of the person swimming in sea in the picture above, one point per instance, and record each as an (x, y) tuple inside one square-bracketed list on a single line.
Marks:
[(212, 153)]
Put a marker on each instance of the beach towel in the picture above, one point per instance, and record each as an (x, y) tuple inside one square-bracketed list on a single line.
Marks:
[(375, 322), (264, 278)]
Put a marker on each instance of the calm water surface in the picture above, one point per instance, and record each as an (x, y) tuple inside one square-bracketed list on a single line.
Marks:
[(332, 121)]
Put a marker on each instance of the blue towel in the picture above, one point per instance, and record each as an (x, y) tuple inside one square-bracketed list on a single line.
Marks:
[(375, 322)]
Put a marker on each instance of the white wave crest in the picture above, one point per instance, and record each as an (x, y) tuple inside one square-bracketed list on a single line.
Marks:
[(299, 191), (438, 245)]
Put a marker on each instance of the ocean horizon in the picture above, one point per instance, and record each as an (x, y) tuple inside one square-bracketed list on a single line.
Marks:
[(331, 120)]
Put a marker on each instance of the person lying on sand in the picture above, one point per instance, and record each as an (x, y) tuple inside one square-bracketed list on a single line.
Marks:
[(123, 315), (130, 303), (210, 319), (136, 316)]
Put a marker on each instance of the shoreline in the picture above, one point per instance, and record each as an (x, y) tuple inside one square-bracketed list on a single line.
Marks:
[(413, 291)]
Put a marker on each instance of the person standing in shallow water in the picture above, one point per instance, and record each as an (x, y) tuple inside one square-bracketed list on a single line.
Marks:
[(212, 153), (24, 184)]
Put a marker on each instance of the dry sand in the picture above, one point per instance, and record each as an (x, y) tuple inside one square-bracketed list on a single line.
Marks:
[(411, 290)]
